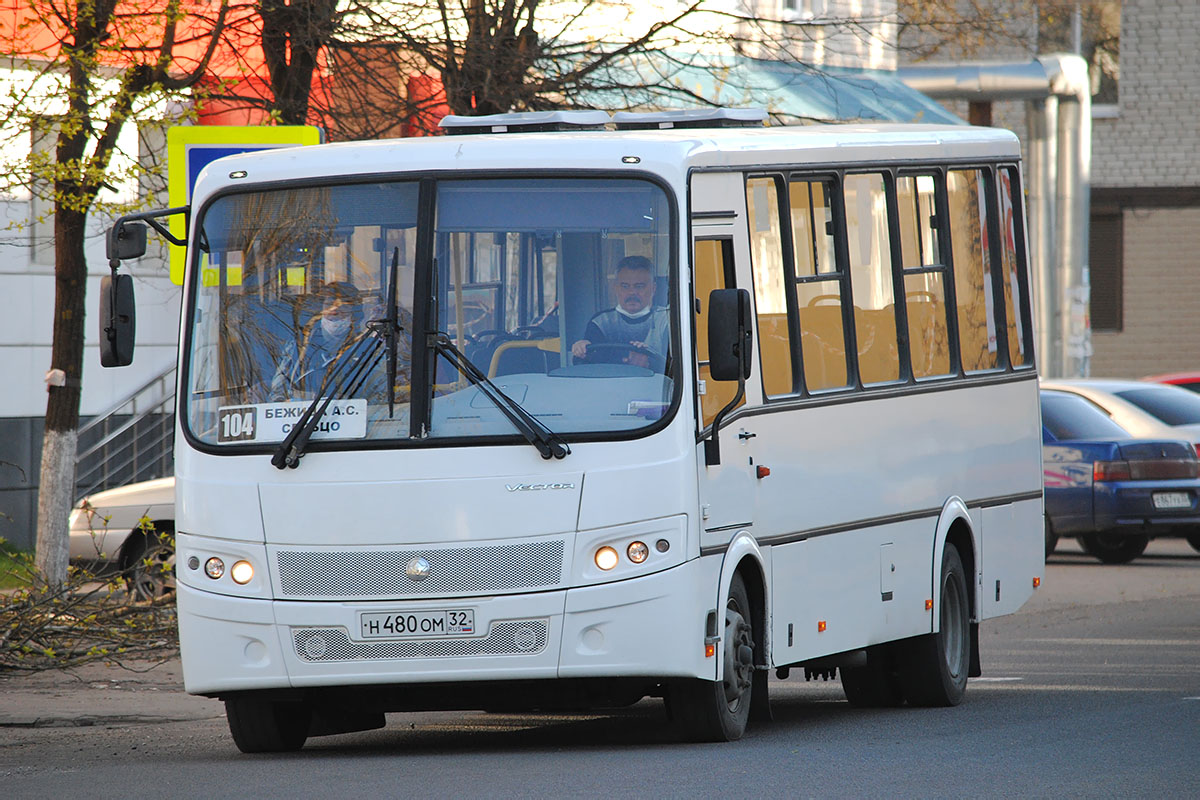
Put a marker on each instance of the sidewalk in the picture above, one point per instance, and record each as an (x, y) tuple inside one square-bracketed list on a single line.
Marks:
[(100, 694)]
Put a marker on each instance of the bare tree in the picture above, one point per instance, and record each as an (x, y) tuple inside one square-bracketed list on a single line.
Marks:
[(97, 63)]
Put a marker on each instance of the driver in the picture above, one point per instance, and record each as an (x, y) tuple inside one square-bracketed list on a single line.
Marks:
[(634, 321)]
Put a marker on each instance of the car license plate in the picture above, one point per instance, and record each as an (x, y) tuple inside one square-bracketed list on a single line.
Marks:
[(1172, 500), (417, 624)]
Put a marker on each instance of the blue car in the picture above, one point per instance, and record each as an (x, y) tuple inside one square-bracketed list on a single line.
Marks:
[(1111, 491)]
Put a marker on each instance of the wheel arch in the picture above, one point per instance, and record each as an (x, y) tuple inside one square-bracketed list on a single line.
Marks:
[(135, 542), (745, 557), (955, 527)]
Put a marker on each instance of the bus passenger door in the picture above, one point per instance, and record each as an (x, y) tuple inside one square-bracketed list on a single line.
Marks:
[(726, 489)]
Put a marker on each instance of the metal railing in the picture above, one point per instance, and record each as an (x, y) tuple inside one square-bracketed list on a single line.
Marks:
[(132, 441)]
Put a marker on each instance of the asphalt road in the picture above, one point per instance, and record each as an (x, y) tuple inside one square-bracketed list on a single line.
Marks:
[(1092, 690)]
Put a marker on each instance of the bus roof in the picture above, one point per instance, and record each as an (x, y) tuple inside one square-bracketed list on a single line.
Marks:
[(671, 153)]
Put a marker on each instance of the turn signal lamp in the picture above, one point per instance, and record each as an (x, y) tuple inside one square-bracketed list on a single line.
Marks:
[(821, 626), (606, 558), (242, 572), (637, 552), (1037, 582), (214, 568)]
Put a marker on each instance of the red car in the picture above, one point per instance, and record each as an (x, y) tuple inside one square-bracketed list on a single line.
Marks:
[(1186, 380)]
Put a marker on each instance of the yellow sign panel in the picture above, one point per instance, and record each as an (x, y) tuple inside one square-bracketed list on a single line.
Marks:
[(191, 147)]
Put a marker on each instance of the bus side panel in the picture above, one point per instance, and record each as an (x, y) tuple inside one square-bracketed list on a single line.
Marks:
[(866, 586), (1013, 555)]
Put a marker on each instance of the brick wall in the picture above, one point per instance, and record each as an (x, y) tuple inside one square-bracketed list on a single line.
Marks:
[(1161, 297), (1154, 142)]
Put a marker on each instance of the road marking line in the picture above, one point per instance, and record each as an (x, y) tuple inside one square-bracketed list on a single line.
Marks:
[(996, 680)]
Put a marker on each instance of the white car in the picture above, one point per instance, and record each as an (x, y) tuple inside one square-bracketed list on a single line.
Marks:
[(132, 529), (1152, 410)]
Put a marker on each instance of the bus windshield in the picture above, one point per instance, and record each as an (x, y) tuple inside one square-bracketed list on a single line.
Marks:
[(555, 289)]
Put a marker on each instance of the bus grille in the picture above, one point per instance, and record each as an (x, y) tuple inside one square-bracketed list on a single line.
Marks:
[(485, 569), (521, 637)]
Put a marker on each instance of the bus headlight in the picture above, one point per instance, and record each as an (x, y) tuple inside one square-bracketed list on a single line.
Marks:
[(606, 558), (214, 568), (242, 572), (637, 552)]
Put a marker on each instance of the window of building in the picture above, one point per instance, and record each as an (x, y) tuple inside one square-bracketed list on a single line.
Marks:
[(1106, 261)]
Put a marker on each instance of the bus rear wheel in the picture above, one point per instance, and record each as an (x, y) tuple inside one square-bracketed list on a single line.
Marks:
[(717, 711), (934, 667), (267, 726)]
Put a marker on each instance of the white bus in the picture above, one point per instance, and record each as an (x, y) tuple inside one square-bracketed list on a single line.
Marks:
[(562, 411)]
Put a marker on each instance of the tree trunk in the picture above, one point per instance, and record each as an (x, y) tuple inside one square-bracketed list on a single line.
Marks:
[(56, 485)]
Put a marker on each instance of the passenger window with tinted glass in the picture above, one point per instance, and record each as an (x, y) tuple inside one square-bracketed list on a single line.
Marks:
[(1012, 251), (818, 285), (869, 247), (712, 268), (924, 275), (967, 193), (770, 299)]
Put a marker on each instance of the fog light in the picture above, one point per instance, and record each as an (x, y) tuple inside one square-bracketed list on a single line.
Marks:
[(606, 558), (241, 572), (214, 568), (637, 552)]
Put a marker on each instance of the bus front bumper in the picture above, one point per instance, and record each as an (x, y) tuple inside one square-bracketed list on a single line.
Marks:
[(650, 626)]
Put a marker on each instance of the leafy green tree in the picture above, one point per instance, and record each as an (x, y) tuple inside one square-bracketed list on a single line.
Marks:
[(93, 66)]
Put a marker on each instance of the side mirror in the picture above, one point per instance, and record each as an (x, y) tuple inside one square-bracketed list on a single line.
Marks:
[(117, 319), (729, 334), (126, 240)]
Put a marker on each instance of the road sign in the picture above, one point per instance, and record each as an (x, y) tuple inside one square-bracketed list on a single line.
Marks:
[(191, 147)]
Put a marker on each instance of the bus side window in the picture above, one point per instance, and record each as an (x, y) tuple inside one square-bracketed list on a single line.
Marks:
[(871, 278), (712, 268), (818, 285), (924, 275), (1012, 268), (966, 194), (770, 282)]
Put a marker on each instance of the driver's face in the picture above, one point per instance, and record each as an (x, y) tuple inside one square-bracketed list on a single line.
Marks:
[(635, 289)]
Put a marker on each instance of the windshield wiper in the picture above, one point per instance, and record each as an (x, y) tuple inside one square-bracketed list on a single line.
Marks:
[(336, 379), (389, 328), (547, 442)]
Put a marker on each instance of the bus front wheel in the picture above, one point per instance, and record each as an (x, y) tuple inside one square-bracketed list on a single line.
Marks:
[(267, 726), (934, 667), (717, 711)]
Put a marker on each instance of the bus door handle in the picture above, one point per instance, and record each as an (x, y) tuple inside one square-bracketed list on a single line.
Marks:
[(744, 435)]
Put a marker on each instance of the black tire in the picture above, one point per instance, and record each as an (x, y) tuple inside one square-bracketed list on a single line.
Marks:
[(934, 667), (875, 685), (150, 567), (267, 726), (717, 711), (1194, 540), (1114, 548), (1051, 538)]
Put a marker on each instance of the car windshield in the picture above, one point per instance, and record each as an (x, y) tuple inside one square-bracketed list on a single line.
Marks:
[(555, 289), (1172, 406), (1068, 417)]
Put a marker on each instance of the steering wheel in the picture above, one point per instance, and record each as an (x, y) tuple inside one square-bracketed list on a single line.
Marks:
[(624, 353)]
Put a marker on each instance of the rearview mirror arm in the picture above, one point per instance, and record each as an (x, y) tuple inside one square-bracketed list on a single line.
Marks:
[(712, 445)]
